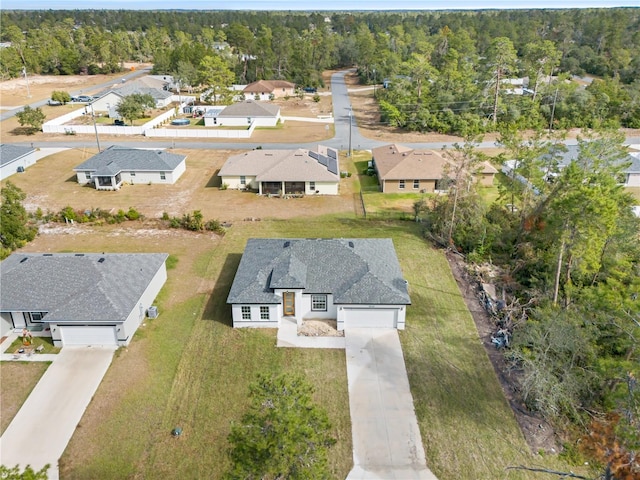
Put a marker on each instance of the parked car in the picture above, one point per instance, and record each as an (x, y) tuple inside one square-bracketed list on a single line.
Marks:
[(310, 89), (84, 99), (54, 103), (119, 122)]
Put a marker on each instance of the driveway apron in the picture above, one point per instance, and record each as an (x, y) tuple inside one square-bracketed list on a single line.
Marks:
[(41, 429), (386, 438)]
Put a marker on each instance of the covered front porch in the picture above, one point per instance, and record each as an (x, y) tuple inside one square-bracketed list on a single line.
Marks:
[(107, 182), (282, 188)]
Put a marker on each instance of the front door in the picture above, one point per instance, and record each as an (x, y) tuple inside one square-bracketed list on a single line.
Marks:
[(289, 300)]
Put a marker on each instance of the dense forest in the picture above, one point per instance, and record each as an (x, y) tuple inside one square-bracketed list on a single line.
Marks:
[(449, 71)]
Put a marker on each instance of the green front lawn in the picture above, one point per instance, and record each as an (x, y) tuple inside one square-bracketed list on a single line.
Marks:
[(190, 369)]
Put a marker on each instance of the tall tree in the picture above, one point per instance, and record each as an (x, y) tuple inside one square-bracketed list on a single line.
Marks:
[(501, 59), (215, 72), (132, 107), (33, 117), (15, 230)]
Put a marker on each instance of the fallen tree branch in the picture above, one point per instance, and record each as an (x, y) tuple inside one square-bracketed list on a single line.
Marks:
[(552, 472)]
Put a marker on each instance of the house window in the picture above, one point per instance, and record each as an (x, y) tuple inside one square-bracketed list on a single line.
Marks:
[(163, 176), (401, 184), (416, 184), (312, 186), (264, 313), (133, 174), (243, 180), (246, 312), (37, 316), (319, 303)]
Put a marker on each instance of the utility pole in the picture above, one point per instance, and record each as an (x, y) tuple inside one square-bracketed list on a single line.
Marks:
[(350, 122), (24, 72), (95, 127)]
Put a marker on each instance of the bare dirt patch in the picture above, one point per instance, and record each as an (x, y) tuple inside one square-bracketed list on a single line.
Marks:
[(320, 328), (18, 379), (539, 434), (51, 185)]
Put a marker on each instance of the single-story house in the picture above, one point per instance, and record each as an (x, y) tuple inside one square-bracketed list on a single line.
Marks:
[(109, 169), (81, 298), (244, 114), (14, 158), (277, 172), (404, 169), (265, 89), (107, 100), (563, 157), (355, 281)]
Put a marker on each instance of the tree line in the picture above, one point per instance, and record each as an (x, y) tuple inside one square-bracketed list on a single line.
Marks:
[(568, 248)]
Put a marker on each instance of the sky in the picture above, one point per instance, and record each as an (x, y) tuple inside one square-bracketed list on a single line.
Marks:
[(314, 5)]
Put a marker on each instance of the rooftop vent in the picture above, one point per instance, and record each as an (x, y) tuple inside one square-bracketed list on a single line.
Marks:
[(47, 254), (79, 254), (101, 260), (24, 259), (351, 244), (287, 244)]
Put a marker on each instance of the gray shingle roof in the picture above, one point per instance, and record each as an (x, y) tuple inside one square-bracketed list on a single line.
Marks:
[(250, 108), (355, 271), (77, 287), (283, 166), (9, 153), (572, 152), (137, 87), (115, 159)]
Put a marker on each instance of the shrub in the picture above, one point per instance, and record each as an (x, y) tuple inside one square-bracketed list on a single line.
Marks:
[(132, 214), (316, 98), (224, 186)]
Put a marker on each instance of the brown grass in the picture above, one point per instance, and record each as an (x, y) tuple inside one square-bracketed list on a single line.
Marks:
[(18, 379), (51, 185)]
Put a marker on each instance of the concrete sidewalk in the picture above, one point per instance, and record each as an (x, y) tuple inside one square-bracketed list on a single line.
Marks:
[(42, 428), (386, 438)]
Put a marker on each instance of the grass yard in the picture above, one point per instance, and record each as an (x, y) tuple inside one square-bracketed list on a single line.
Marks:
[(189, 368), (635, 191), (18, 379), (45, 342)]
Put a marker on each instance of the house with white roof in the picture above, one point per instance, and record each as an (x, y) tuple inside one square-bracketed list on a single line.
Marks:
[(284, 172), (112, 167)]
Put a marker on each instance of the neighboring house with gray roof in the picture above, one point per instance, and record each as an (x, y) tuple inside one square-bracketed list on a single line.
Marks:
[(404, 169), (112, 167), (277, 172), (81, 298), (355, 281), (14, 158), (244, 114), (107, 100)]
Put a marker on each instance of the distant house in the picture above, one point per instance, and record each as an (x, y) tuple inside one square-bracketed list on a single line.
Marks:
[(264, 89), (109, 169), (244, 114), (14, 158), (404, 169), (275, 172), (81, 298), (355, 281), (107, 100), (516, 86)]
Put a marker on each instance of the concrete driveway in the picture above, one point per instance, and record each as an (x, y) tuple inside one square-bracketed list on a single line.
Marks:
[(386, 438), (41, 429)]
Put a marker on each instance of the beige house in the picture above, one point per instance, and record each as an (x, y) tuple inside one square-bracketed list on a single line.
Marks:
[(264, 89), (288, 172), (404, 169)]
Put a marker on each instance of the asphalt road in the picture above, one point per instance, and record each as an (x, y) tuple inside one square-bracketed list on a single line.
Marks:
[(10, 113), (347, 135)]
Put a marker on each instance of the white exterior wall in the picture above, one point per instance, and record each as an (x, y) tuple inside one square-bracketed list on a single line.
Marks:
[(633, 180), (255, 322), (10, 168), (6, 325), (104, 103), (246, 121), (306, 312), (234, 183), (400, 314), (152, 177), (83, 177), (323, 188)]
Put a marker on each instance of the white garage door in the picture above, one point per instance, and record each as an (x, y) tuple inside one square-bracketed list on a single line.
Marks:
[(88, 335), (370, 318)]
